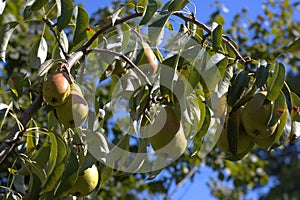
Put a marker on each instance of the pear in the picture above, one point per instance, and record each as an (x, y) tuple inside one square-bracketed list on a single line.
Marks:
[(170, 138), (244, 142), (75, 110), (86, 182), (256, 116), (148, 62), (56, 88)]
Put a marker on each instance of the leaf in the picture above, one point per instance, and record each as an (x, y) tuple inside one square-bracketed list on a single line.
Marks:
[(44, 68), (278, 109), (2, 6), (38, 53), (34, 188), (125, 35), (55, 176), (97, 145), (276, 81), (115, 15), (82, 23), (262, 75), (69, 176), (239, 84), (66, 14), (294, 47), (7, 108), (38, 4), (53, 153), (6, 31), (156, 28), (295, 117), (149, 12), (217, 37), (177, 5)]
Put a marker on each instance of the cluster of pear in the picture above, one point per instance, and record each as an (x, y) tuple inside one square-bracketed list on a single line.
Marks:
[(67, 98), (250, 125)]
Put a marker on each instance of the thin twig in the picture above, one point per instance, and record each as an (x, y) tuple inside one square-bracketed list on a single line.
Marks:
[(48, 22), (209, 31), (106, 27), (187, 177)]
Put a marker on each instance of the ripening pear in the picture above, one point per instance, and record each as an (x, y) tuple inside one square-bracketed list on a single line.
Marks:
[(56, 88), (148, 63), (86, 182), (244, 142), (256, 116), (75, 110), (170, 138)]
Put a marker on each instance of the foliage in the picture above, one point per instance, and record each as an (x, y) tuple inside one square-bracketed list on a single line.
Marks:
[(203, 75)]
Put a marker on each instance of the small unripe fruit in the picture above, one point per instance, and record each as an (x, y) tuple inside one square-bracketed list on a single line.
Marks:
[(86, 182), (75, 110), (148, 63), (256, 116), (56, 88)]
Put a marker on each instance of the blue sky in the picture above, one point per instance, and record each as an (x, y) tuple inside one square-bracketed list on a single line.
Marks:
[(198, 189)]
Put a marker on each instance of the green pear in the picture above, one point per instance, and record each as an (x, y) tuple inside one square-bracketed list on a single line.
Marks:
[(75, 110), (167, 134), (56, 88), (86, 182), (256, 116), (244, 142), (148, 62)]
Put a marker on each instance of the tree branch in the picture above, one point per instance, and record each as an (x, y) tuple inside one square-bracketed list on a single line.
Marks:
[(188, 176), (108, 26), (209, 31)]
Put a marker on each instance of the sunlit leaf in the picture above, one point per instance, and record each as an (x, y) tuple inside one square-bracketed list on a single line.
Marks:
[(6, 32), (149, 12), (294, 47), (82, 23), (38, 4), (217, 37)]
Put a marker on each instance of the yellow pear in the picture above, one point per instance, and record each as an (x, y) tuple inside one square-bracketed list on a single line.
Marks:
[(75, 110), (148, 63), (86, 182), (170, 138), (256, 116), (56, 88)]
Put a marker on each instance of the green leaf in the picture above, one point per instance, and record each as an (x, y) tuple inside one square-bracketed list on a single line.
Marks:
[(177, 5), (69, 176), (276, 81), (66, 14), (53, 153), (38, 4), (239, 84), (294, 47), (156, 28), (55, 176), (295, 101), (149, 12), (262, 75), (217, 37), (278, 109), (82, 23), (6, 31), (125, 35), (34, 188)]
